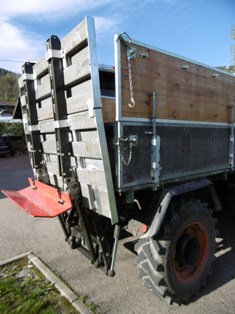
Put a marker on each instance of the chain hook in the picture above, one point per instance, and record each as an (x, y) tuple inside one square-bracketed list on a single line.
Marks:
[(132, 101)]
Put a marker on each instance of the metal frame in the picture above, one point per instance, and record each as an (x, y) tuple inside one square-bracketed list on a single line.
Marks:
[(99, 119)]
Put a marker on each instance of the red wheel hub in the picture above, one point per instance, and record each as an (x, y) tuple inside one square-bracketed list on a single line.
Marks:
[(191, 252)]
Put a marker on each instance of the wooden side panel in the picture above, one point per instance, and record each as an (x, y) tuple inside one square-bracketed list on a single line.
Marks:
[(185, 90), (66, 110)]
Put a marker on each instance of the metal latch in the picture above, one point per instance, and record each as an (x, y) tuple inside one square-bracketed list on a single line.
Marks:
[(127, 143)]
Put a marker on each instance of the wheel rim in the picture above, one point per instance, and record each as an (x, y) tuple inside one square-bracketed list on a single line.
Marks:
[(191, 252)]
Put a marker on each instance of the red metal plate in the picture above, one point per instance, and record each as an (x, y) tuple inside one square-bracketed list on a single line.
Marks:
[(40, 200)]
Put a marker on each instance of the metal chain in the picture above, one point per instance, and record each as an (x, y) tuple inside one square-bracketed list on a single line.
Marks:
[(126, 163), (132, 101)]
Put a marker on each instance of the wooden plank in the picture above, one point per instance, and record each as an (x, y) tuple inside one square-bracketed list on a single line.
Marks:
[(108, 109), (45, 109), (51, 158), (81, 97), (53, 167), (96, 164), (91, 177), (43, 88), (188, 93), (102, 200), (49, 144), (46, 126), (21, 82), (79, 69), (23, 100), (40, 68), (77, 36), (87, 149), (81, 121), (88, 196), (90, 135)]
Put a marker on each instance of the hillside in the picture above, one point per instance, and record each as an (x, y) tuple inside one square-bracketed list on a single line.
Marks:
[(8, 85)]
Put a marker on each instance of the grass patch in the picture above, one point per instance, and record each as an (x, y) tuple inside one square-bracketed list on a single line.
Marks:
[(23, 289)]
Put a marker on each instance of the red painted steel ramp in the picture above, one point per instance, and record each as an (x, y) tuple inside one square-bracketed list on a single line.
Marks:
[(40, 200)]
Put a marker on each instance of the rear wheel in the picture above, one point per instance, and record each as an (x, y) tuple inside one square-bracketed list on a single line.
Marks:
[(176, 265)]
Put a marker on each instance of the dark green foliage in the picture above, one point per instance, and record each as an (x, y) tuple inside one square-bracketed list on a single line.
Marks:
[(8, 85), (13, 129)]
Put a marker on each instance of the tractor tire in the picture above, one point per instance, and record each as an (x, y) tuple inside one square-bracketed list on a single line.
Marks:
[(176, 265)]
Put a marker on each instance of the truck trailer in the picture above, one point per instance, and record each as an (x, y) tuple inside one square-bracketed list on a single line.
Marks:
[(146, 146)]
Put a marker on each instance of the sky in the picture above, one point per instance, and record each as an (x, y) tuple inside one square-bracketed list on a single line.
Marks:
[(195, 29)]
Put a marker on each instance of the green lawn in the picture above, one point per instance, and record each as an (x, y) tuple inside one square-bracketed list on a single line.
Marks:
[(23, 289)]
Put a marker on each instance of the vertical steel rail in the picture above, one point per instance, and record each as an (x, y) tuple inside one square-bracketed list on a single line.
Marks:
[(231, 139), (32, 129), (55, 65), (155, 143)]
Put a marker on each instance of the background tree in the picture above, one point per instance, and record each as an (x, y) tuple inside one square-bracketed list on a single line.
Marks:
[(8, 85)]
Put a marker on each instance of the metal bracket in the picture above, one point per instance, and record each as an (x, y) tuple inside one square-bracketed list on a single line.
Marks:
[(155, 166), (144, 55), (60, 124), (27, 76), (131, 141), (155, 146), (33, 128), (71, 186), (52, 53), (131, 52)]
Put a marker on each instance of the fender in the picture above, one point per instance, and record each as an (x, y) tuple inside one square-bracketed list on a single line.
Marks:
[(166, 200)]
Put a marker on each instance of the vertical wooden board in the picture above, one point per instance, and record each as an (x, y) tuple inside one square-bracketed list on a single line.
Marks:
[(21, 82), (103, 206), (108, 109), (88, 196), (185, 90), (23, 100)]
